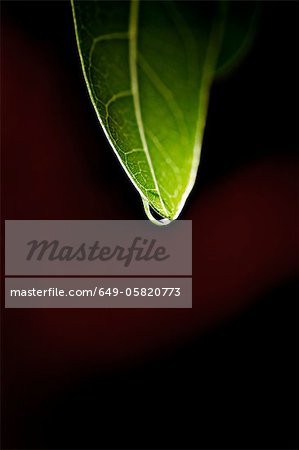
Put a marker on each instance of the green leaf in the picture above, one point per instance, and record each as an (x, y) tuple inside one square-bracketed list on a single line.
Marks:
[(149, 67)]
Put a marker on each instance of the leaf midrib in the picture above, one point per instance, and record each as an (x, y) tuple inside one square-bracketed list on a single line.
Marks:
[(133, 34)]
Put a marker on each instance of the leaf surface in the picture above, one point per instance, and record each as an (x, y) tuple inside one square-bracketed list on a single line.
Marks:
[(149, 67)]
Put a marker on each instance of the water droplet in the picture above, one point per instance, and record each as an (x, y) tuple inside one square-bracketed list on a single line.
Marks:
[(149, 213)]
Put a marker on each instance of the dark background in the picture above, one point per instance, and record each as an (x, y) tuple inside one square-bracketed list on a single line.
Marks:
[(220, 376)]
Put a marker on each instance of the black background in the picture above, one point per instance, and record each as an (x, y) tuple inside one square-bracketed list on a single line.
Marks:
[(234, 387)]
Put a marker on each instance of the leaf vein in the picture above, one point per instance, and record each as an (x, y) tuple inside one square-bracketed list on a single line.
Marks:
[(133, 33), (165, 92)]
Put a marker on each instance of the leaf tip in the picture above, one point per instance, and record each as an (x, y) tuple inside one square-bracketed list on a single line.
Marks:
[(154, 220)]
